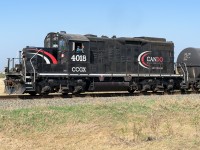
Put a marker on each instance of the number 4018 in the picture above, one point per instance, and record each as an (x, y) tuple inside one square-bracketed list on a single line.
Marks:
[(78, 58)]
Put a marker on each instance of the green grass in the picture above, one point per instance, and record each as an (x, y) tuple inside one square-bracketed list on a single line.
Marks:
[(44, 118), (40, 119), (2, 75), (126, 123)]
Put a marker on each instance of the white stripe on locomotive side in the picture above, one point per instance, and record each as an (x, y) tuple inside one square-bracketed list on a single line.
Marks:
[(45, 58), (111, 75)]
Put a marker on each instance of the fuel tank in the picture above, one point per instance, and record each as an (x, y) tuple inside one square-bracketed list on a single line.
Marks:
[(111, 86)]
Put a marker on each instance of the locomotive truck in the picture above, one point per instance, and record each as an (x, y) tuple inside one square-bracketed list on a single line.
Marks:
[(73, 63)]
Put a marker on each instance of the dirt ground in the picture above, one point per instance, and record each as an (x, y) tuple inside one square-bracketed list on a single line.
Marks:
[(1, 86)]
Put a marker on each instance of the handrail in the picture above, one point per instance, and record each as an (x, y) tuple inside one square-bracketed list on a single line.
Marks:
[(186, 71), (32, 64), (183, 72), (24, 70)]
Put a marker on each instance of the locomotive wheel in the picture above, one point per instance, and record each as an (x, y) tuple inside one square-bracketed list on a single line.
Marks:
[(170, 92), (131, 91), (33, 93), (44, 94), (64, 94), (38, 89), (183, 91)]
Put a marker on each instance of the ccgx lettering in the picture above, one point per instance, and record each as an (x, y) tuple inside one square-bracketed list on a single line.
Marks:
[(78, 69)]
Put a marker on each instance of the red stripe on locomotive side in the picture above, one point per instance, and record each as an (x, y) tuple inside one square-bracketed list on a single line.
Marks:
[(50, 56)]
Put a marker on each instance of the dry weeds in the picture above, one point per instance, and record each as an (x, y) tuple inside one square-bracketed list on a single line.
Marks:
[(165, 123), (1, 86)]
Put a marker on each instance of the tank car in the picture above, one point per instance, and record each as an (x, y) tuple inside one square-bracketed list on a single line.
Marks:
[(73, 63), (189, 65)]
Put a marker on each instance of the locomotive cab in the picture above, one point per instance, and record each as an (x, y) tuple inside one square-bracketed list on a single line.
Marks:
[(73, 50), (79, 57)]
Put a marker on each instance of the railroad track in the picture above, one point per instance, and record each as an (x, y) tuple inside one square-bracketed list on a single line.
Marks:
[(87, 94), (26, 96)]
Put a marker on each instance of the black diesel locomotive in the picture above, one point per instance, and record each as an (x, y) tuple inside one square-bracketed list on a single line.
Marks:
[(71, 63)]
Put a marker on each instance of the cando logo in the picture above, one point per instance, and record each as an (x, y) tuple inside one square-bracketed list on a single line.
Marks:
[(145, 59)]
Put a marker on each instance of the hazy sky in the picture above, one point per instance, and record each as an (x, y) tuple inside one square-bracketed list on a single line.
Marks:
[(26, 23)]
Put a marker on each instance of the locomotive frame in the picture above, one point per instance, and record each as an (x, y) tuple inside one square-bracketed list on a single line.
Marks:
[(78, 63)]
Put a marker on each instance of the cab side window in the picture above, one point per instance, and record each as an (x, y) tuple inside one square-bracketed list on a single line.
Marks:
[(55, 41), (78, 47), (62, 45), (48, 42)]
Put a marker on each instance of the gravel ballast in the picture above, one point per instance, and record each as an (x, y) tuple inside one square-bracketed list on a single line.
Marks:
[(23, 103)]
